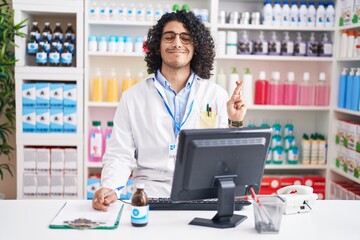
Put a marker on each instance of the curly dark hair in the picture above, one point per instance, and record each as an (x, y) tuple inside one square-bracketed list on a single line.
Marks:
[(204, 53)]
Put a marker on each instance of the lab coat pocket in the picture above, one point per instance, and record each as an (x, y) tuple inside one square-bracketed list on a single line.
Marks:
[(207, 116)]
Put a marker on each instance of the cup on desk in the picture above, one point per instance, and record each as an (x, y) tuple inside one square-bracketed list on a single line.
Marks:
[(268, 213)]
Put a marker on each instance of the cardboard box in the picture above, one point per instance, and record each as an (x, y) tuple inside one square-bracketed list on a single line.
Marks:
[(56, 95), (43, 120), (28, 120), (70, 120), (56, 120), (270, 184), (346, 12), (28, 95), (70, 95), (42, 95)]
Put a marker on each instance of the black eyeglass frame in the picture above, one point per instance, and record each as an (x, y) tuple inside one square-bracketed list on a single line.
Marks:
[(174, 34)]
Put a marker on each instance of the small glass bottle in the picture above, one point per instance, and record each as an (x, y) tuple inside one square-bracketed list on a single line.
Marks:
[(139, 207)]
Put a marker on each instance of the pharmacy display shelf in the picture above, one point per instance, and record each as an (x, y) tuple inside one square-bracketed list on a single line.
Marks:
[(274, 58), (116, 54), (349, 112), (344, 174), (65, 11), (274, 28), (49, 139), (300, 167)]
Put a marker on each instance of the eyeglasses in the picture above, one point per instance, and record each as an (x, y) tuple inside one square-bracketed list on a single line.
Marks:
[(169, 37)]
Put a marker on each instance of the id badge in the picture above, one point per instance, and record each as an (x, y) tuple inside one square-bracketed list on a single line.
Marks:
[(172, 150)]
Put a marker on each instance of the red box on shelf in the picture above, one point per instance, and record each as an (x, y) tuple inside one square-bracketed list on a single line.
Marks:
[(291, 180), (269, 185), (316, 182)]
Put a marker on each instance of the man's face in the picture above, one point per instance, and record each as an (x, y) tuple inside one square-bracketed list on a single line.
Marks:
[(177, 48)]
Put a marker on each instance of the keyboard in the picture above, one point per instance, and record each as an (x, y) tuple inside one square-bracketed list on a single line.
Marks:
[(198, 205)]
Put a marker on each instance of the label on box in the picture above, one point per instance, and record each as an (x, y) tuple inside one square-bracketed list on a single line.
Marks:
[(70, 95), (42, 120), (70, 121), (56, 95), (29, 119), (56, 120), (28, 95), (42, 95)]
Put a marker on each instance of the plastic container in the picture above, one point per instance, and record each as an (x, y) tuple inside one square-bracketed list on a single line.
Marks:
[(267, 13), (285, 14), (276, 90), (330, 15), (343, 43), (349, 88), (97, 87), (311, 15), (356, 92), (303, 14), (268, 213), (234, 77), (306, 91), (322, 91), (95, 142), (287, 45), (312, 46), (290, 90), (277, 14), (342, 88), (139, 207), (294, 14), (274, 45), (248, 87), (221, 79), (320, 15), (325, 47), (262, 89), (127, 81), (108, 132), (305, 149), (299, 46), (112, 87), (261, 46)]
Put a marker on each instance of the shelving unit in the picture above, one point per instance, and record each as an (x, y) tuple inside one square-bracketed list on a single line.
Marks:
[(67, 11)]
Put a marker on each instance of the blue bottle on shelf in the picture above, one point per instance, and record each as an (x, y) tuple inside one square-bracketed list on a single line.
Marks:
[(356, 92), (342, 88), (349, 87)]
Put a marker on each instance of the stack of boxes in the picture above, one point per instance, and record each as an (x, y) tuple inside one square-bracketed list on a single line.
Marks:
[(50, 173), (348, 147), (270, 184), (49, 107)]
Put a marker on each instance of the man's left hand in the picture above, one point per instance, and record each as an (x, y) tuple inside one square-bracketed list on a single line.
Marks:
[(237, 106)]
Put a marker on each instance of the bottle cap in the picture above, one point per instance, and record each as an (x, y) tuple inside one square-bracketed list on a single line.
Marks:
[(140, 185), (306, 76), (291, 76), (110, 123), (322, 76), (96, 123), (262, 75)]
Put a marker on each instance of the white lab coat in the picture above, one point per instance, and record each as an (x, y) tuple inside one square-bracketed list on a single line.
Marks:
[(143, 131)]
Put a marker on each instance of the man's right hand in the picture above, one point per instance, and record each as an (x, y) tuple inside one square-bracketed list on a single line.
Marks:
[(101, 203)]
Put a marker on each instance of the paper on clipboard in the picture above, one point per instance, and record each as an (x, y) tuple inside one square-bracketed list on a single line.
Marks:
[(79, 209)]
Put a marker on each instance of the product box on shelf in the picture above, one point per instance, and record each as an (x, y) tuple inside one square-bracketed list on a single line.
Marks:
[(57, 185), (350, 135), (270, 184), (357, 147), (29, 163), (69, 96), (346, 12), (291, 180), (28, 120), (29, 185), (70, 122), (42, 95), (28, 95), (70, 185), (56, 95), (43, 185), (340, 132), (357, 165), (56, 120), (43, 120)]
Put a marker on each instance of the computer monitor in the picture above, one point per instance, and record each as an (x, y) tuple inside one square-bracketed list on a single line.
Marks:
[(219, 163)]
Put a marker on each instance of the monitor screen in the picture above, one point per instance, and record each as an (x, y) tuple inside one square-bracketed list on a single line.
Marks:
[(219, 163)]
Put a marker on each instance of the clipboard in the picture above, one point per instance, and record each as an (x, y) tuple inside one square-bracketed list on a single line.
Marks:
[(79, 214)]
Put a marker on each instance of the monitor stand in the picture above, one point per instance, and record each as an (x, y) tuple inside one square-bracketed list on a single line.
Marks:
[(225, 217)]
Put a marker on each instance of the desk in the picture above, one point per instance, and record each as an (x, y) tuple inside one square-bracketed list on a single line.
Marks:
[(29, 219)]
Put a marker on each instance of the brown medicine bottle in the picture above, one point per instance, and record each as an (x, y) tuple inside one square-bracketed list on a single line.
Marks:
[(139, 207)]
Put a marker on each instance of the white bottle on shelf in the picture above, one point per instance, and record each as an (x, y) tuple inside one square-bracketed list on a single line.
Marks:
[(287, 45), (113, 11), (94, 10), (311, 22), (303, 15), (104, 11), (330, 15), (267, 13), (140, 13), (122, 12), (234, 77), (158, 12), (277, 14), (221, 79), (131, 13), (320, 15), (350, 44), (285, 14), (248, 87), (294, 15), (343, 43), (149, 16)]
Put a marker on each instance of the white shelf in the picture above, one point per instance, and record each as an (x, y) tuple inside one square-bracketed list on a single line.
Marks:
[(351, 26), (273, 28), (141, 24), (344, 174), (287, 108), (94, 165), (103, 104), (350, 112), (48, 139), (294, 167), (274, 58), (347, 59), (116, 54)]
